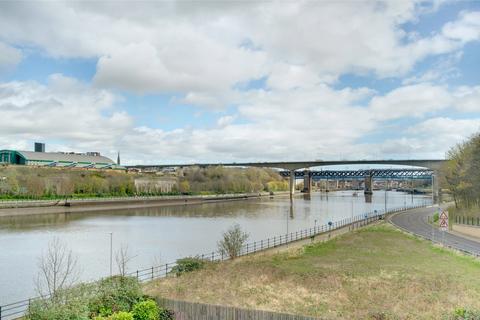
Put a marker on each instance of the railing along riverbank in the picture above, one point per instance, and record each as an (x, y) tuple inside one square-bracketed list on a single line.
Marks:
[(18, 309), (467, 221), (30, 203)]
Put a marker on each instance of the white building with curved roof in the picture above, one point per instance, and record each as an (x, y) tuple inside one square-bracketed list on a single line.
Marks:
[(57, 159)]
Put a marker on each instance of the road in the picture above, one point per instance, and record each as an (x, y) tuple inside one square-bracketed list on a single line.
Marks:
[(416, 221)]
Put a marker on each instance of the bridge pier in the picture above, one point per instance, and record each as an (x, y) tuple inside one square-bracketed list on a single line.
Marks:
[(435, 188), (307, 181), (367, 189), (292, 183)]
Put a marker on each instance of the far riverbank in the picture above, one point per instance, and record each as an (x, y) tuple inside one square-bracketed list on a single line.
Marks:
[(16, 208)]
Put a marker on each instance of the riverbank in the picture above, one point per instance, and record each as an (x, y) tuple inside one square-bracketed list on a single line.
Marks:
[(376, 272), (17, 208)]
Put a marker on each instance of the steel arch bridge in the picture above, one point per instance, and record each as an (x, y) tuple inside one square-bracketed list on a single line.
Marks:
[(392, 174)]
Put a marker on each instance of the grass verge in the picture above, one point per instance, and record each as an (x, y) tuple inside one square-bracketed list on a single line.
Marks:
[(374, 273)]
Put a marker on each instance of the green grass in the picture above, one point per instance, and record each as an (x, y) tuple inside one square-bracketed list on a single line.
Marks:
[(377, 272)]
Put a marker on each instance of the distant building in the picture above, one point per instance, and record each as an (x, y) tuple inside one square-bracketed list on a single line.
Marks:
[(39, 147), (90, 160)]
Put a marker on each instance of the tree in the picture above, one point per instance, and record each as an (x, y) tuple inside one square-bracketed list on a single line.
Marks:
[(58, 269), (232, 241), (184, 187), (123, 258)]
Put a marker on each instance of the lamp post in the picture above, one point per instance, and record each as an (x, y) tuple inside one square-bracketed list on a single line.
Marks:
[(433, 196), (351, 220), (385, 201), (111, 254)]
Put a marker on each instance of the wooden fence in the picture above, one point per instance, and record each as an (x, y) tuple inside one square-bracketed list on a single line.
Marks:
[(198, 311)]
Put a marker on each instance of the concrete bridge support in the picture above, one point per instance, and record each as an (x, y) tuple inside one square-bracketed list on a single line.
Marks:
[(435, 188), (307, 181), (292, 183), (368, 187)]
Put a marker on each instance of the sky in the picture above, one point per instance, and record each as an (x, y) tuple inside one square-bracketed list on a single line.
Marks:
[(231, 81)]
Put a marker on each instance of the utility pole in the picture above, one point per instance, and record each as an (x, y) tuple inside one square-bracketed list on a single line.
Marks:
[(433, 195), (352, 212), (111, 254), (385, 201)]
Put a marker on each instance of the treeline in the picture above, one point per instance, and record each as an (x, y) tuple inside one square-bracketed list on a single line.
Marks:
[(461, 174), (21, 182), (37, 183), (230, 180)]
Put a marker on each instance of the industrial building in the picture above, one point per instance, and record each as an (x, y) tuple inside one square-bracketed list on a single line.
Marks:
[(89, 160)]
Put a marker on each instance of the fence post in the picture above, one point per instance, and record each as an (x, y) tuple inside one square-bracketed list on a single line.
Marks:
[(0, 312), (247, 248), (213, 254), (152, 273), (137, 275), (166, 269)]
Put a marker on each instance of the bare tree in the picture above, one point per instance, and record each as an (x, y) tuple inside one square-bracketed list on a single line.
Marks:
[(58, 269), (123, 258), (232, 241)]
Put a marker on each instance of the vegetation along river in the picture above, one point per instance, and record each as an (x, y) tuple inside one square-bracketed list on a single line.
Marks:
[(159, 235)]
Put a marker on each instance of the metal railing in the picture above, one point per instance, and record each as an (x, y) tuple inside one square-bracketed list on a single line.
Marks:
[(469, 221), (14, 203), (18, 309)]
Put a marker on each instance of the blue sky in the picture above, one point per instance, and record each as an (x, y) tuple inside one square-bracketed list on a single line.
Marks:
[(240, 81)]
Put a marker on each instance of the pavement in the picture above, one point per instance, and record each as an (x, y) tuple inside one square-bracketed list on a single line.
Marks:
[(416, 221)]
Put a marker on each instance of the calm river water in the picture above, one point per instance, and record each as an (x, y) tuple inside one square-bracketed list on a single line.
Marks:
[(163, 234)]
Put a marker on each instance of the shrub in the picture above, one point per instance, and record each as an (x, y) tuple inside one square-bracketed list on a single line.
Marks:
[(166, 314), (233, 241), (115, 294), (122, 315), (146, 310), (188, 265), (435, 217), (71, 304), (465, 314)]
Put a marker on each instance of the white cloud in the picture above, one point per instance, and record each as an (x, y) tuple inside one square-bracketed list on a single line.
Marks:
[(203, 50), (414, 100), (465, 29), (431, 138), (204, 54), (225, 121), (468, 99), (65, 109), (305, 123), (9, 57)]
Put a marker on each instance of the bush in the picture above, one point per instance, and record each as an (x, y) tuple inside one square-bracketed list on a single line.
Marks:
[(146, 310), (435, 217), (166, 314), (233, 241), (465, 314), (115, 294), (42, 310), (188, 265), (71, 304), (122, 315)]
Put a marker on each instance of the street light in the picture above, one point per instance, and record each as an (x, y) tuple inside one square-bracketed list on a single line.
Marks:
[(111, 254), (352, 212), (385, 201)]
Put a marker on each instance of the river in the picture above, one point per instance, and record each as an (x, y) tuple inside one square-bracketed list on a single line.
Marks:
[(159, 235)]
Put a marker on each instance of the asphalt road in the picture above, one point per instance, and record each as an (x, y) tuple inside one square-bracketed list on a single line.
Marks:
[(416, 221)]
